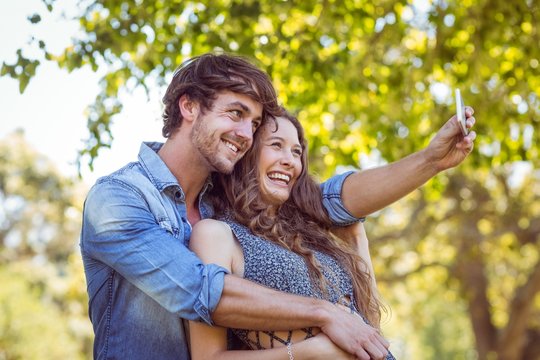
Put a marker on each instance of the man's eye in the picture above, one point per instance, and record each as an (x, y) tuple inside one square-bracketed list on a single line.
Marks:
[(236, 113), (255, 124)]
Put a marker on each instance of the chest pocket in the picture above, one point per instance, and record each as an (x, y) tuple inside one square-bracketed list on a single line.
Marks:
[(168, 226), (167, 215)]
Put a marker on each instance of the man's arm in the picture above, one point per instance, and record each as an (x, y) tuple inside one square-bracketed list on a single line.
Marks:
[(120, 231), (247, 305), (367, 191)]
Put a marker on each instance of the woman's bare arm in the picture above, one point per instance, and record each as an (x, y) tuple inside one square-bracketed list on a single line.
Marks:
[(356, 235), (214, 242), (367, 191)]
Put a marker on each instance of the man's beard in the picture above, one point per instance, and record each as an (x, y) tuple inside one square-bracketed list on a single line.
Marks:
[(205, 143)]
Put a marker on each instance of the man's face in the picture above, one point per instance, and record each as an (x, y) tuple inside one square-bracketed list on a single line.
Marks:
[(225, 132)]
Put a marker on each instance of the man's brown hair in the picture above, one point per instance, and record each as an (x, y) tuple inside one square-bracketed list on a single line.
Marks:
[(201, 78)]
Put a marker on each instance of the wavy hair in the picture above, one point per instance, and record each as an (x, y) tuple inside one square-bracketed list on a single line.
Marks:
[(301, 224)]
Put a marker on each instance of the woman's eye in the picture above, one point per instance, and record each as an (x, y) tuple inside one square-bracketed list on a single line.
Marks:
[(276, 145), (297, 152)]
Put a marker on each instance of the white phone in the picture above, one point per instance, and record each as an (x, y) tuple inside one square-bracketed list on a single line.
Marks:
[(460, 113)]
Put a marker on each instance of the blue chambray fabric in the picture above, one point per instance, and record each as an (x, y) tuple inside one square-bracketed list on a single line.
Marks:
[(331, 190), (142, 279)]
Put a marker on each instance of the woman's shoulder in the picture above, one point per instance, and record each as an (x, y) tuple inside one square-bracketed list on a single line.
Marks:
[(213, 241), (211, 225), (206, 231)]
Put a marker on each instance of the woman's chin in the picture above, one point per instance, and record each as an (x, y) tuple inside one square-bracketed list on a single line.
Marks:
[(276, 197)]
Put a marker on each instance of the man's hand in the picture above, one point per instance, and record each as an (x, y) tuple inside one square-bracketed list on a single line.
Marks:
[(449, 147), (352, 334)]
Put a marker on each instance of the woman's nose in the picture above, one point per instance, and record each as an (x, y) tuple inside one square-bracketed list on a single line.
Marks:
[(286, 157)]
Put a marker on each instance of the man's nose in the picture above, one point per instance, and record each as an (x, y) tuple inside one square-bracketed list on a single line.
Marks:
[(245, 129)]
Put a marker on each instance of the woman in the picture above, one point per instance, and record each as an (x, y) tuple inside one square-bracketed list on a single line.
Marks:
[(275, 231)]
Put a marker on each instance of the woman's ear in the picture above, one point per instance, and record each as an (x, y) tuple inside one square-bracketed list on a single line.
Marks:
[(188, 108)]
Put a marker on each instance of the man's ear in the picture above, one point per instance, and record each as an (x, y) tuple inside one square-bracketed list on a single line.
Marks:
[(188, 108)]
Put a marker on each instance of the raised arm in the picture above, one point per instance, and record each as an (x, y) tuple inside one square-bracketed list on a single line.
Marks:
[(245, 304), (367, 191), (356, 235)]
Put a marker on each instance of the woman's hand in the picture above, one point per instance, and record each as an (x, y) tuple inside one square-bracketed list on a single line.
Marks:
[(449, 147)]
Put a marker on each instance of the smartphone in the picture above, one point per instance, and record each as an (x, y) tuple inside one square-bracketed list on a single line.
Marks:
[(460, 113)]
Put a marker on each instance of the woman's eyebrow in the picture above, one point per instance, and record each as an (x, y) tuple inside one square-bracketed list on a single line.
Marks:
[(275, 137)]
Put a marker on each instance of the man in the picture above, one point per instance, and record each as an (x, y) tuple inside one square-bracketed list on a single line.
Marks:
[(142, 280)]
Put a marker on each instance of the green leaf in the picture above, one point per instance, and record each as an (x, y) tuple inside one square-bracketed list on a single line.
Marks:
[(34, 19), (23, 83)]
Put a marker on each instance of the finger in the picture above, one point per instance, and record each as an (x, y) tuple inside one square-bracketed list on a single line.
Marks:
[(383, 341), (467, 143), (361, 354), (374, 351), (382, 345), (470, 122), (471, 135), (469, 111)]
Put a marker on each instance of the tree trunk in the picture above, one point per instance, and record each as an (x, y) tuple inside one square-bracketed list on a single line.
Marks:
[(513, 339), (474, 283)]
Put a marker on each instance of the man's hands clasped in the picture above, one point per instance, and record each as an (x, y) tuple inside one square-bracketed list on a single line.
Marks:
[(349, 331)]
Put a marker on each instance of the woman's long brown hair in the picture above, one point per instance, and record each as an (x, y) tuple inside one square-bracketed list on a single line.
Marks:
[(301, 224)]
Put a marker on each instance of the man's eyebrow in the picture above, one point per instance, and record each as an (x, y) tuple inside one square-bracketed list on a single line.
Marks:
[(244, 108), (239, 104)]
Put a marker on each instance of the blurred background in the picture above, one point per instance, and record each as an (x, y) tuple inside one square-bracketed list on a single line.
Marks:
[(457, 261)]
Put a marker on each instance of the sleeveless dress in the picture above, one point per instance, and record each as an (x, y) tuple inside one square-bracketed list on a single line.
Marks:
[(272, 265)]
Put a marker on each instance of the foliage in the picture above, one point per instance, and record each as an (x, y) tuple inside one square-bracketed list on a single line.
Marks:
[(42, 298), (40, 209), (362, 76), (374, 80), (474, 253)]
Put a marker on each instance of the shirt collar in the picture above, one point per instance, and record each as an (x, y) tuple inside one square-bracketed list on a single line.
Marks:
[(158, 172)]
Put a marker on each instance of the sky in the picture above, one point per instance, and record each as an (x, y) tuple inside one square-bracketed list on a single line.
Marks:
[(51, 111)]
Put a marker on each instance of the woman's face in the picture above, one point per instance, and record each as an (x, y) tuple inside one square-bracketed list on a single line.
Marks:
[(280, 161)]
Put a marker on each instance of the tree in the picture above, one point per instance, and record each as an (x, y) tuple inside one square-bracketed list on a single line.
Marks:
[(367, 80), (42, 297), (475, 249), (40, 209)]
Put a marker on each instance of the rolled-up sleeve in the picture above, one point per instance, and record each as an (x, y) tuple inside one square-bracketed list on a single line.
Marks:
[(210, 294), (120, 231), (332, 201)]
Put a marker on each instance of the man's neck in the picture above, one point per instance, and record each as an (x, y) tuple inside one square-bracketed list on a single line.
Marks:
[(190, 171)]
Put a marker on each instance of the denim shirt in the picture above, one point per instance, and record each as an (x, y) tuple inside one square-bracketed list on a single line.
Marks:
[(142, 279)]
